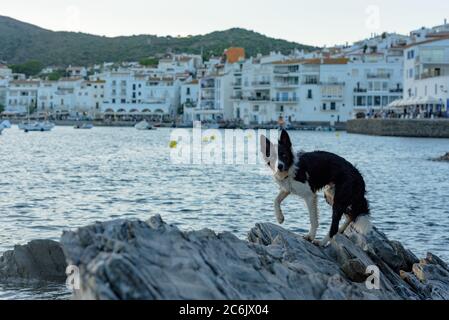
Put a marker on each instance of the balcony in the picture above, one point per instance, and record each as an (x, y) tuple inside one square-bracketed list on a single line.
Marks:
[(266, 98), (261, 83), (360, 90), (286, 100), (371, 75), (286, 84), (332, 97), (332, 83), (430, 74)]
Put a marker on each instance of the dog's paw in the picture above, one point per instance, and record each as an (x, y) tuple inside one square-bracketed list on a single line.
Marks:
[(280, 218), (309, 238), (320, 243)]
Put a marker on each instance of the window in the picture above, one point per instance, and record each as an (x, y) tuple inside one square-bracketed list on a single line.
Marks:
[(256, 109), (333, 106), (113, 100), (309, 94), (123, 101), (385, 101), (188, 91), (377, 101), (324, 106)]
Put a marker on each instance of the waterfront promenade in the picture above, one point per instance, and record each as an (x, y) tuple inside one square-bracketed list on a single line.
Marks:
[(422, 128)]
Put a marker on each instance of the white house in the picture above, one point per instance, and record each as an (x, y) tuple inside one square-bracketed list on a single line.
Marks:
[(21, 96), (128, 92), (190, 93), (76, 72), (5, 72), (426, 74), (214, 102)]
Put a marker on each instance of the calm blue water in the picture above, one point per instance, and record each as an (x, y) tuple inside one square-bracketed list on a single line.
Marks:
[(69, 178)]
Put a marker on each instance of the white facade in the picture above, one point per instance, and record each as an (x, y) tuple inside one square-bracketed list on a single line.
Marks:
[(329, 86), (5, 72), (214, 102), (22, 96), (190, 95), (426, 72), (127, 92), (76, 72)]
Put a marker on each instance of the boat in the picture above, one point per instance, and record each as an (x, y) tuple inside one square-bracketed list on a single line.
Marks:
[(6, 124), (143, 125), (36, 126), (84, 126), (41, 126)]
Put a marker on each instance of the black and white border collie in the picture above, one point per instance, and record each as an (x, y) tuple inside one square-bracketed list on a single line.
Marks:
[(304, 174)]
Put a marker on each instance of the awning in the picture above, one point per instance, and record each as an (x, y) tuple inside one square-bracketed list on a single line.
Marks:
[(414, 101)]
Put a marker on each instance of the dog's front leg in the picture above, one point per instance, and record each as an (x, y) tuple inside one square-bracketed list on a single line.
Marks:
[(277, 205), (312, 206)]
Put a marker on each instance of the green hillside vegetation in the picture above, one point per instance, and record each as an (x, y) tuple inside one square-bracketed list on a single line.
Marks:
[(22, 42)]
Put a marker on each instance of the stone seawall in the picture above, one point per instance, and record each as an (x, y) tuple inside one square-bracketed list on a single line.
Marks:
[(400, 128)]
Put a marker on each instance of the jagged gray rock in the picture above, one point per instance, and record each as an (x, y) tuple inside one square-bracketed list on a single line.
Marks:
[(126, 259), (444, 158), (41, 260)]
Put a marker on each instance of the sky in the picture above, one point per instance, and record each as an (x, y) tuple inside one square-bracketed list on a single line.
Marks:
[(313, 22)]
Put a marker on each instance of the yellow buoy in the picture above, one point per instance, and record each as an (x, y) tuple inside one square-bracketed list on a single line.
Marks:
[(173, 144)]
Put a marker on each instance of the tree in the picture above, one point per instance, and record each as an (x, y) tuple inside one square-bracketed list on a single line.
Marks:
[(29, 68), (149, 62), (55, 75)]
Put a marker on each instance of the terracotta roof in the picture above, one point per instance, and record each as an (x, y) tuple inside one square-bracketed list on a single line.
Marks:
[(292, 61), (314, 61), (184, 59), (70, 79), (25, 82)]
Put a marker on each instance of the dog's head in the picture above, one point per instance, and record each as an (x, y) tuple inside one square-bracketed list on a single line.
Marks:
[(279, 158)]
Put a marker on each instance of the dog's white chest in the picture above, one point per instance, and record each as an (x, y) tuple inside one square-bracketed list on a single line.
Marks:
[(295, 187)]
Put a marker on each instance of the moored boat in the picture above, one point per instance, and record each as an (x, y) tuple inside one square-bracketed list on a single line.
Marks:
[(36, 126), (84, 126), (143, 125)]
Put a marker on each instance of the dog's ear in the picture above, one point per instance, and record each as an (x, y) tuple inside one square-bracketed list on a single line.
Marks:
[(285, 139), (267, 148)]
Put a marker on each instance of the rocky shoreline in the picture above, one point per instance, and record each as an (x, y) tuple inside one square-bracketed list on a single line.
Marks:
[(132, 259), (444, 158)]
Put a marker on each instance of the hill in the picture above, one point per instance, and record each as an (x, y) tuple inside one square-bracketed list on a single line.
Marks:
[(21, 42)]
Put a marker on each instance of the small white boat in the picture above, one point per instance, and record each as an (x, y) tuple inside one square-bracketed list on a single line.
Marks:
[(84, 126), (36, 126), (6, 124), (143, 125)]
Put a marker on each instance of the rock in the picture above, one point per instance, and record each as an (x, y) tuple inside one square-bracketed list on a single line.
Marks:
[(130, 259), (41, 260), (442, 158)]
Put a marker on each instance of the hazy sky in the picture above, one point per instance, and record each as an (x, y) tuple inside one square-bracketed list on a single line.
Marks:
[(313, 22)]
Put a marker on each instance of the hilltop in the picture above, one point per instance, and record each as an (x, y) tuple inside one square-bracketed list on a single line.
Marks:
[(21, 42)]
